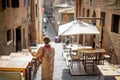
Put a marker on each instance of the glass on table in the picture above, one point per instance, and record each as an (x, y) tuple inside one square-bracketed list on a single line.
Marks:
[(112, 67)]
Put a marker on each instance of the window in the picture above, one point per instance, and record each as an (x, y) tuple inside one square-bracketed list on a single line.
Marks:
[(25, 2), (9, 35), (71, 18), (15, 3), (115, 23), (28, 3), (36, 10), (83, 11), (87, 12), (102, 22), (5, 4), (94, 20), (91, 2)]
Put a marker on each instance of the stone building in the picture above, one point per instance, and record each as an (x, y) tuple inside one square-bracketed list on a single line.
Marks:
[(56, 15), (48, 8), (17, 25), (109, 29), (37, 12), (66, 15)]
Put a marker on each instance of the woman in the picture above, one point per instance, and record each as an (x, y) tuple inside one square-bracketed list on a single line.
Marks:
[(47, 52)]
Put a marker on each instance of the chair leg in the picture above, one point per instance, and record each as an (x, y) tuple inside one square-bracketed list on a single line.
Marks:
[(71, 64), (94, 65), (85, 66)]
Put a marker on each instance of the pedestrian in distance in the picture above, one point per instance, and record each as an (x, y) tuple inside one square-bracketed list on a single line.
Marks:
[(67, 40), (45, 28), (46, 56)]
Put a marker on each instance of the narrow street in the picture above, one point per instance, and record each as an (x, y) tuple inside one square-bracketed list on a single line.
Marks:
[(61, 71), (84, 33)]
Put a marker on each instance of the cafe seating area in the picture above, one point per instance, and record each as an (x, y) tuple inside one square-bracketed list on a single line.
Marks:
[(19, 65), (85, 61)]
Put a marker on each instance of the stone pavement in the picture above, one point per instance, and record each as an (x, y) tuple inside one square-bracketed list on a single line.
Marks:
[(61, 71)]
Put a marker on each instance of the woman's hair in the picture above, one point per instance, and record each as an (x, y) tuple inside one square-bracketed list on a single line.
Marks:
[(46, 40)]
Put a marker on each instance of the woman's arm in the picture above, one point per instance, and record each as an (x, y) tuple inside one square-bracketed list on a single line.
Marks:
[(35, 54)]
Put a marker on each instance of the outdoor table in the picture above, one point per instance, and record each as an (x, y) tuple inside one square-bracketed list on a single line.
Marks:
[(24, 63), (97, 52), (109, 71), (15, 65), (83, 50), (77, 47), (117, 77), (23, 54), (90, 54)]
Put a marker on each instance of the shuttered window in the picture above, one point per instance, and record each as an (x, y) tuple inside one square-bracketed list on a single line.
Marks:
[(5, 4), (15, 3)]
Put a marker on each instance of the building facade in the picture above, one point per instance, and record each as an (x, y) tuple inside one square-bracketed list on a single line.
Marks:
[(37, 11), (109, 13), (66, 15), (17, 25), (14, 23), (56, 15)]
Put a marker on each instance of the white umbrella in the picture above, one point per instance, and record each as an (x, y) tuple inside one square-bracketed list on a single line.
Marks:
[(77, 27)]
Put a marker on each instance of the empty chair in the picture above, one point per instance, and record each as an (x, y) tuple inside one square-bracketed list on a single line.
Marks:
[(75, 58), (109, 55), (65, 52), (7, 75), (90, 59)]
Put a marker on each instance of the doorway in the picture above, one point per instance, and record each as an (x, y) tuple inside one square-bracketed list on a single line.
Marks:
[(18, 39)]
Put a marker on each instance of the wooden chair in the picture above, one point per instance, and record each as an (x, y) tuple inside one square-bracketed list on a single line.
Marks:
[(7, 75), (65, 52), (109, 55), (75, 58), (90, 59)]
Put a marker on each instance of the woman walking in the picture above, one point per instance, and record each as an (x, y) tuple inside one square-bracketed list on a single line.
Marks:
[(46, 54)]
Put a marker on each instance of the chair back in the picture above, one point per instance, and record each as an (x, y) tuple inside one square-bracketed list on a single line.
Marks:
[(111, 51), (6, 75)]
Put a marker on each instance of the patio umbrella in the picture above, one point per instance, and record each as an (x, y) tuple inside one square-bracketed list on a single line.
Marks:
[(77, 27)]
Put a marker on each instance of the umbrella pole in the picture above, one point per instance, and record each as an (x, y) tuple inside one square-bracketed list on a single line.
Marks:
[(83, 39), (78, 39)]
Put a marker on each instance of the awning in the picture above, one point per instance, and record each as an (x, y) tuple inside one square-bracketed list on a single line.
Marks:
[(77, 27)]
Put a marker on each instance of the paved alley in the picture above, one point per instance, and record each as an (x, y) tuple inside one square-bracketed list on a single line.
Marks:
[(61, 71)]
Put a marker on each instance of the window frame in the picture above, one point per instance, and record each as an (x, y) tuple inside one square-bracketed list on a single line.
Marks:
[(9, 36), (15, 3), (115, 23)]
